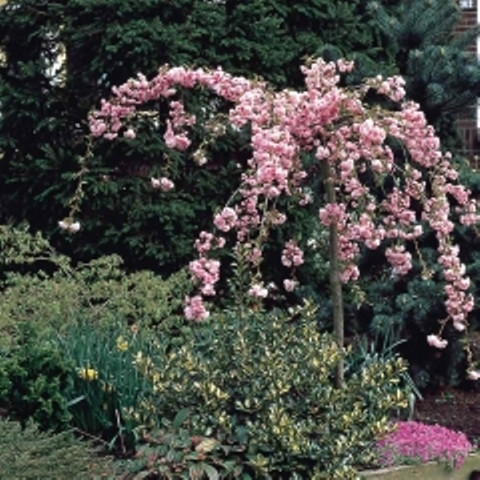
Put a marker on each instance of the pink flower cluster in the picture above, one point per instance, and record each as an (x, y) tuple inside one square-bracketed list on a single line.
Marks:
[(418, 441), (194, 309), (257, 290), (400, 260), (206, 241), (392, 87), (333, 213), (114, 114), (459, 303), (164, 184), (292, 255), (226, 219), (206, 272), (336, 127)]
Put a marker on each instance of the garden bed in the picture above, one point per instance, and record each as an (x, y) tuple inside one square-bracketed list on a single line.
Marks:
[(427, 471), (453, 408)]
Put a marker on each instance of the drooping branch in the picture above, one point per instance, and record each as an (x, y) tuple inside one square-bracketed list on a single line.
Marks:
[(348, 137)]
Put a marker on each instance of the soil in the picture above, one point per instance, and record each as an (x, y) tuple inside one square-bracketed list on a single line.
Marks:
[(453, 408)]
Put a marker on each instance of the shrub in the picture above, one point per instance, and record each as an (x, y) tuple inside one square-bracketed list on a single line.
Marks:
[(261, 387), (29, 454), (34, 379), (42, 287), (57, 320)]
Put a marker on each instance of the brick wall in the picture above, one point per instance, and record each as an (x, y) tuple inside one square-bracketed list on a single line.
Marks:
[(467, 120)]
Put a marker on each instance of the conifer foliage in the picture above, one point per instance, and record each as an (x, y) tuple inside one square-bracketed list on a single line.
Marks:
[(442, 76), (42, 126)]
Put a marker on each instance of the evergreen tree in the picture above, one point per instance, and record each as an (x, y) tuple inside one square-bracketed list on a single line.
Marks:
[(272, 37), (43, 120), (442, 76)]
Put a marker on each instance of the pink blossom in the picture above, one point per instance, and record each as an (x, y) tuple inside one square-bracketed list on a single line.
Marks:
[(179, 141), (289, 284), (345, 65), (194, 309), (292, 255), (204, 242), (436, 341), (206, 272), (332, 213), (350, 273), (393, 87), (277, 218), (98, 128), (254, 256), (371, 134), (400, 259), (226, 219), (164, 184), (257, 290), (459, 326)]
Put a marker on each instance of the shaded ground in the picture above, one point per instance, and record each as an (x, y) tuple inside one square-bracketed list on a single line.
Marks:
[(453, 408)]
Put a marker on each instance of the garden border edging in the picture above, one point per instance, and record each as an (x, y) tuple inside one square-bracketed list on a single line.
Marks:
[(426, 471)]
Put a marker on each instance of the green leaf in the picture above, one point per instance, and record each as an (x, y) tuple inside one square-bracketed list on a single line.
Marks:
[(76, 400), (180, 417), (196, 471), (212, 473)]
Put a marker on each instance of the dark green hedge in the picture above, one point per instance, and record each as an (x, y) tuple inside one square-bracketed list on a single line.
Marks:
[(43, 123)]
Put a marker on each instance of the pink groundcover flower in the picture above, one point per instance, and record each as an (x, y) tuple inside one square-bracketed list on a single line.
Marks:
[(418, 441)]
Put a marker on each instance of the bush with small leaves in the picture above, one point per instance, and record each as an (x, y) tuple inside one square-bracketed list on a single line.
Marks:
[(42, 287), (260, 387), (34, 379), (29, 454)]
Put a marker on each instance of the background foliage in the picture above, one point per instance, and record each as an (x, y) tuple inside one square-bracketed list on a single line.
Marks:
[(44, 107)]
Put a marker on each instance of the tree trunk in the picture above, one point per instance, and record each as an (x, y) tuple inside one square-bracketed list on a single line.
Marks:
[(335, 282)]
